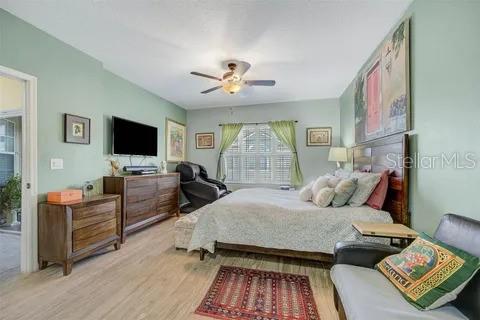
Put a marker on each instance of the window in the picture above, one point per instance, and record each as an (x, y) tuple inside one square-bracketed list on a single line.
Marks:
[(7, 150), (258, 157)]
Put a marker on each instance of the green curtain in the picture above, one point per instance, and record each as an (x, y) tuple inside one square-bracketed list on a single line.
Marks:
[(229, 134), (285, 132)]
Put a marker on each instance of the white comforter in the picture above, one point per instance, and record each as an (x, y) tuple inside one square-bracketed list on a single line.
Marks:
[(279, 219)]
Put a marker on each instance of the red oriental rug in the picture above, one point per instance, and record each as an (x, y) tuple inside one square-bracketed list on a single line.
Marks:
[(247, 294)]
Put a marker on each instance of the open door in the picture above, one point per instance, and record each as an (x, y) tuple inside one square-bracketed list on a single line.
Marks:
[(18, 172)]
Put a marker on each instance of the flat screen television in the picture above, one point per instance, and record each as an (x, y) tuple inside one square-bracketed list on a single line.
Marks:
[(133, 138)]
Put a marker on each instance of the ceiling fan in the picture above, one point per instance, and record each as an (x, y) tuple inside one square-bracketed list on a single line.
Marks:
[(231, 81)]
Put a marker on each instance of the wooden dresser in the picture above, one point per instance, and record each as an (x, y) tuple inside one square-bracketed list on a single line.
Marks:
[(145, 199), (71, 231)]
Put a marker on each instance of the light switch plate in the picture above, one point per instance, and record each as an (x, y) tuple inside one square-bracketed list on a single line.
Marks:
[(56, 164)]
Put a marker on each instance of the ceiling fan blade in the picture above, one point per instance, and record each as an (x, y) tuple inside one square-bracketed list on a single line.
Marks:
[(245, 66), (204, 75), (269, 83), (211, 89)]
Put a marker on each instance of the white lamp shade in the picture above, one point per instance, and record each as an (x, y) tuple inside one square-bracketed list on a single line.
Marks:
[(337, 154)]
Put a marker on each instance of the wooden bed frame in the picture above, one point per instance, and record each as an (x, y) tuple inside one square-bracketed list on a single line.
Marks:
[(374, 156)]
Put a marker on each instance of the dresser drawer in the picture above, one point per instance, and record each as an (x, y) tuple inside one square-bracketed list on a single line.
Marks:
[(89, 220), (141, 193), (140, 210), (167, 182), (142, 182), (94, 233), (92, 210), (167, 208), (171, 197)]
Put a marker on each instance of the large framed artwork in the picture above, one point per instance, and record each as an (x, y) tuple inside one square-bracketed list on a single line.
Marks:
[(175, 137), (382, 89)]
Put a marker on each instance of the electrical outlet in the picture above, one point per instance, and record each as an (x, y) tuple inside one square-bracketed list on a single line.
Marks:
[(56, 164)]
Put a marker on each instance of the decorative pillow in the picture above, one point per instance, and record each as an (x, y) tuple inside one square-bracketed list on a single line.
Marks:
[(333, 182), (343, 191), (324, 197), (429, 273), (377, 198), (319, 184), (306, 192), (342, 173), (366, 183), (360, 174)]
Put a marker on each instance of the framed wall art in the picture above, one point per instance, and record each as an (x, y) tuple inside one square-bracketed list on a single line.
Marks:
[(76, 129), (382, 89), (319, 137), (205, 140), (175, 140)]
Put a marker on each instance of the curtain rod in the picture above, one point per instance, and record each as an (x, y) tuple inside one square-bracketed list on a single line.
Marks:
[(255, 123)]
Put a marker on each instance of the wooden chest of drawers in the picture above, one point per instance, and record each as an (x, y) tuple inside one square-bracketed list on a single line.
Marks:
[(145, 199), (71, 231)]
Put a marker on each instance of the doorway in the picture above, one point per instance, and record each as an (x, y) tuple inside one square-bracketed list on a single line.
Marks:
[(18, 188)]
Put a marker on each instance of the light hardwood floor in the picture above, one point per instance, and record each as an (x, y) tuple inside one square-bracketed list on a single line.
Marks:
[(146, 279)]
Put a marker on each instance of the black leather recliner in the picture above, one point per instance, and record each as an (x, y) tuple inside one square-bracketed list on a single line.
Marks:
[(197, 187)]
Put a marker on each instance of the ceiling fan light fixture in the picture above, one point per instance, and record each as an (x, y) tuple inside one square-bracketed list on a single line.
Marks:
[(231, 82), (232, 87)]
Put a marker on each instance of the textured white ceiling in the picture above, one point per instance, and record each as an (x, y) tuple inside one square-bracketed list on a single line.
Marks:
[(313, 49)]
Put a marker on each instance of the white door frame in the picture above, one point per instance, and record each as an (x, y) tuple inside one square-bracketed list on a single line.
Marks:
[(29, 250)]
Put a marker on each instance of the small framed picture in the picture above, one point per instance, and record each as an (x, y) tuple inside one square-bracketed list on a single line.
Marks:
[(76, 129), (205, 140), (319, 137)]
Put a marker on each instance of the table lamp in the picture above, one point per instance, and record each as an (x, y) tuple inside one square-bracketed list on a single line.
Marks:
[(338, 154)]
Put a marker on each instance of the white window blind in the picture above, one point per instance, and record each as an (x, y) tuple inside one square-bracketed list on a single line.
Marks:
[(258, 157)]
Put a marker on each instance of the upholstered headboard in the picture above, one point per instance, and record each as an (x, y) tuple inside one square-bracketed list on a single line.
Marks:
[(388, 153)]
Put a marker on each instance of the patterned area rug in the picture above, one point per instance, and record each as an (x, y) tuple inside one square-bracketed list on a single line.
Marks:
[(248, 294)]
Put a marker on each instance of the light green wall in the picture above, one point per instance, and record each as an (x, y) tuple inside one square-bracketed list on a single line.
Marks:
[(445, 88), (70, 81), (309, 113)]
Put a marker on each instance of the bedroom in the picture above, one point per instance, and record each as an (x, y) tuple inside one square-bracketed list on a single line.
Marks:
[(104, 61)]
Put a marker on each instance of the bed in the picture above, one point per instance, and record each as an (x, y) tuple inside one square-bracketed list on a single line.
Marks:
[(276, 222)]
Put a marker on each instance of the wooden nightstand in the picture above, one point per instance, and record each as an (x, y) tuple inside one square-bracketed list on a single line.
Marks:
[(386, 230), (68, 232)]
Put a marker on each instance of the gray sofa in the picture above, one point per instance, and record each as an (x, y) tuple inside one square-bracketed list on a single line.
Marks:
[(361, 292)]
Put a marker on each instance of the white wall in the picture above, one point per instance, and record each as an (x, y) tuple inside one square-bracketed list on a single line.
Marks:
[(310, 113)]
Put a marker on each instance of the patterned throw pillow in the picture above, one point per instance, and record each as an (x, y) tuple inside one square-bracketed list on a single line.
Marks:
[(429, 273), (366, 183), (305, 193), (343, 191), (324, 197)]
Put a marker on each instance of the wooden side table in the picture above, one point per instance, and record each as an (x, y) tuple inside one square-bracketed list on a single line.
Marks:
[(68, 232), (386, 230)]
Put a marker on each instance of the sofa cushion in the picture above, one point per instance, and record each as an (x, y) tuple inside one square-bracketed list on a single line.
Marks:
[(367, 294)]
